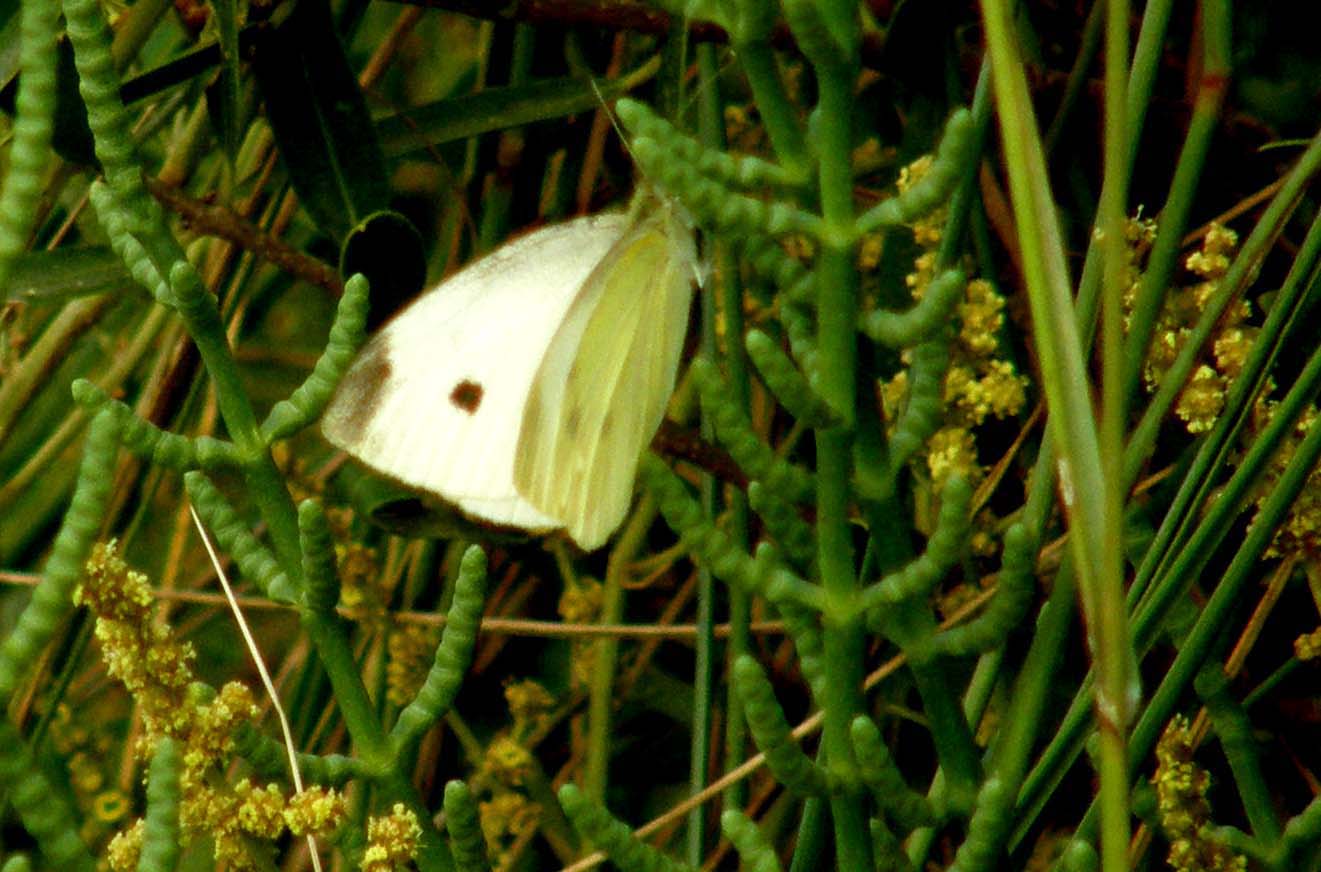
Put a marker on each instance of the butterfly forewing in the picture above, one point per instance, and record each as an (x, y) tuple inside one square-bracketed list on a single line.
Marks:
[(435, 399), (606, 379)]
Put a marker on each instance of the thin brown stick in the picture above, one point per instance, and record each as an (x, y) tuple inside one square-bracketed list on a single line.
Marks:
[(509, 626), (218, 221)]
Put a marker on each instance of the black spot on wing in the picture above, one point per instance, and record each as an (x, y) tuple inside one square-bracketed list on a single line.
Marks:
[(363, 385), (467, 395)]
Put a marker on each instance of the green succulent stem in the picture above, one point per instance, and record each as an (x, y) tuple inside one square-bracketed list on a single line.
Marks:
[(309, 400), (877, 769), (373, 746), (465, 830), (982, 847), (757, 853), (152, 443), (602, 830), (45, 813), (160, 835), (1014, 589), (1242, 750), (1301, 836), (29, 154), (320, 572), (837, 308), (52, 599), (271, 758), (254, 559), (777, 110), (770, 729), (453, 654), (924, 320)]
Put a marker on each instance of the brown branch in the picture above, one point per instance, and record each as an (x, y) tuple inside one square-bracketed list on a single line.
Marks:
[(508, 626), (679, 442), (629, 15), (213, 220)]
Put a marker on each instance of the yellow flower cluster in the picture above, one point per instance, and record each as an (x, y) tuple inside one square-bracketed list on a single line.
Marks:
[(507, 762), (1203, 397), (581, 604), (125, 849), (359, 573), (1139, 234), (1185, 814), (505, 811), (1301, 530), (979, 384), (155, 668), (245, 820), (391, 840), (315, 811), (927, 230), (103, 804), (870, 250), (412, 650), (1308, 646), (504, 818), (242, 819), (952, 450), (529, 703)]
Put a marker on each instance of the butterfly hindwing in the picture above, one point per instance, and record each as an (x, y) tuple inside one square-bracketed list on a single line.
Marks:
[(606, 379)]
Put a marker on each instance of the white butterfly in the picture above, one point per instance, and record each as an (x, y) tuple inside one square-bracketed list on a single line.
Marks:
[(524, 388)]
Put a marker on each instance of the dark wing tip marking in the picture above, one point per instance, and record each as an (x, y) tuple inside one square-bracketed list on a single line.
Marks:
[(467, 395), (364, 385)]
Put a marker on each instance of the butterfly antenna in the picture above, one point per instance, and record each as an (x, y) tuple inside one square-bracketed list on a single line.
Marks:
[(609, 111), (623, 139)]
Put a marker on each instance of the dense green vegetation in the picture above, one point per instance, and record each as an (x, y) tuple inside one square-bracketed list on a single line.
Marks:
[(981, 534)]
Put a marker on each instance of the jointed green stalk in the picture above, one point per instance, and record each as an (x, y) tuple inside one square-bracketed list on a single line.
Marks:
[(30, 153), (837, 306)]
